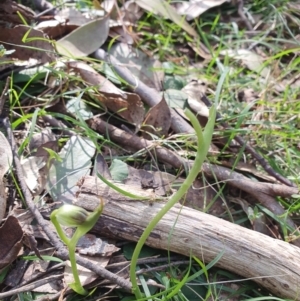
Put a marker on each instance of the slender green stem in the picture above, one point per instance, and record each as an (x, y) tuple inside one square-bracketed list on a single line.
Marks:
[(76, 286), (203, 146), (83, 221)]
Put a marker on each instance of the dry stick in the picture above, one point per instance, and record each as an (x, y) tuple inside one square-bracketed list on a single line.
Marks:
[(242, 14), (162, 267), (61, 252), (55, 123), (146, 261), (29, 287), (251, 150), (150, 96), (263, 192), (39, 275)]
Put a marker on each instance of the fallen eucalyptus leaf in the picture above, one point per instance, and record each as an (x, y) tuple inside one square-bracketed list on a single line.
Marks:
[(85, 39)]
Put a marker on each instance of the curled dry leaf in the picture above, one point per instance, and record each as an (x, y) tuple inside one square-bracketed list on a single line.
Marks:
[(157, 120), (193, 9), (195, 90), (125, 104), (36, 47), (38, 140), (66, 20), (30, 168), (36, 167), (122, 31)]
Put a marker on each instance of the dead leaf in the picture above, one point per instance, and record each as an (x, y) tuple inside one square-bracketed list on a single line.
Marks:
[(38, 141), (193, 9), (55, 28), (157, 120), (11, 236), (146, 69), (163, 8), (195, 90), (30, 168), (36, 267), (122, 31), (86, 276), (157, 181), (72, 16), (125, 104), (251, 60), (257, 219), (247, 95), (9, 13), (85, 39), (131, 11), (36, 47), (101, 167), (91, 245)]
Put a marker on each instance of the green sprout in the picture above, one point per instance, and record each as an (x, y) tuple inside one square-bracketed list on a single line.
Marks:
[(74, 216), (203, 139)]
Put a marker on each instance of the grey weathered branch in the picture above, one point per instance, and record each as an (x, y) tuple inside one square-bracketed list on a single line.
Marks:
[(274, 263)]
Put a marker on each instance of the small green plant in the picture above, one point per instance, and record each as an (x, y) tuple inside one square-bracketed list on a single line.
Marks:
[(74, 216), (203, 140)]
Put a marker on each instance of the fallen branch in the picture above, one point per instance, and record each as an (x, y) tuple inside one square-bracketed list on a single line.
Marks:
[(275, 264), (265, 193)]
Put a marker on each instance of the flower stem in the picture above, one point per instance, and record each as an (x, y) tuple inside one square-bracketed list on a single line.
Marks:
[(203, 142), (76, 286)]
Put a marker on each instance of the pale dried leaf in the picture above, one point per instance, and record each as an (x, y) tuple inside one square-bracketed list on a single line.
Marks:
[(121, 32), (195, 90), (72, 16), (75, 163), (30, 168), (85, 39), (163, 8), (195, 8), (251, 60), (86, 276)]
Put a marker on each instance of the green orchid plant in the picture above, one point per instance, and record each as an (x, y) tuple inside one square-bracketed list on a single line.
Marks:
[(74, 216)]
